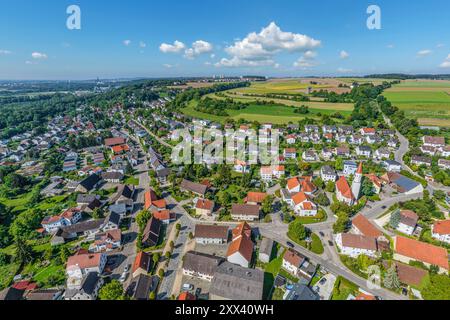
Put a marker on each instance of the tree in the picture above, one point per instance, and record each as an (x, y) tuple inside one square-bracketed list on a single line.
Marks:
[(142, 218), (267, 205), (24, 252), (111, 291), (438, 288), (330, 187), (161, 273), (341, 223), (152, 295), (156, 258), (339, 165), (297, 231), (4, 259), (97, 213), (367, 188), (323, 200), (318, 182), (391, 280)]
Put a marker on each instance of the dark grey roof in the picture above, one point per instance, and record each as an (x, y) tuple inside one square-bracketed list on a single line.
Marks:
[(113, 217), (114, 175), (84, 226), (90, 181), (301, 292), (327, 170), (86, 198), (237, 283), (143, 286), (193, 187), (11, 294), (88, 285), (151, 232), (405, 183), (201, 262), (163, 173)]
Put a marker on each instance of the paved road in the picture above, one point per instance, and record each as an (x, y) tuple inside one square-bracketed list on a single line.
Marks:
[(153, 135)]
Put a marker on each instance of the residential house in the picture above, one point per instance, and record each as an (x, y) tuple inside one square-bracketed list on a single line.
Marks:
[(440, 230), (444, 164), (402, 184), (211, 234), (83, 263), (310, 156), (437, 142), (362, 226), (367, 131), (204, 207), (350, 168), (265, 250), (328, 174), (303, 205), (421, 161), (165, 216), (292, 261), (142, 264), (152, 203), (108, 241), (354, 245), (255, 198), (88, 184), (293, 185), (290, 153), (363, 151), (301, 292), (382, 154), (245, 212), (408, 222), (194, 188), (240, 250), (87, 290), (152, 231), (112, 177), (392, 166), (200, 265), (291, 139)]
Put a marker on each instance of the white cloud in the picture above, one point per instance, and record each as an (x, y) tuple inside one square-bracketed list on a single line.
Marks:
[(260, 48), (126, 42), (446, 63), (142, 44), (307, 60), (390, 46), (30, 62), (344, 70), (5, 52), (176, 47), (39, 55), (310, 54), (198, 47), (424, 53), (344, 54), (440, 45), (168, 66), (212, 56)]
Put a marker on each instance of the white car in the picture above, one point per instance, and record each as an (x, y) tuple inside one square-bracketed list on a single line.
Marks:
[(123, 277), (188, 287)]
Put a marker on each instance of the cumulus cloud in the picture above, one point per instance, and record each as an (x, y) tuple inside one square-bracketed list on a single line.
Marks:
[(198, 47), (446, 63), (424, 53), (344, 54), (176, 47), (260, 48), (307, 60), (126, 42), (39, 55), (5, 52), (142, 44)]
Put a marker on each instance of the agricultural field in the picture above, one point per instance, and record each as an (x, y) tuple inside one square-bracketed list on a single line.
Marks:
[(282, 111), (293, 86), (275, 114), (426, 100)]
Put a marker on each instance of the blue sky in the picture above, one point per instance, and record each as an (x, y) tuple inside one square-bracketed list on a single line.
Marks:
[(215, 37)]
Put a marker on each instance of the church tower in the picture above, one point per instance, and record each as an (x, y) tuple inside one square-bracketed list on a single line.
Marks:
[(357, 182)]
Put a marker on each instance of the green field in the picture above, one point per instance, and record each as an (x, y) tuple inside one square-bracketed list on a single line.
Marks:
[(262, 113), (427, 101)]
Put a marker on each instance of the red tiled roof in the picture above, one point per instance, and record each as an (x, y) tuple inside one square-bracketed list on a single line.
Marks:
[(363, 296), (308, 186), (114, 141), (120, 148), (366, 227), (84, 260), (357, 241), (293, 257), (142, 261), (243, 229), (25, 285), (344, 188), (293, 183), (442, 227), (256, 197), (299, 198), (243, 245), (163, 215), (422, 251), (186, 296), (204, 204)]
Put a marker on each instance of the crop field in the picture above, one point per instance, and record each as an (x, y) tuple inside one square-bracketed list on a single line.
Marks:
[(426, 100), (293, 86), (275, 114)]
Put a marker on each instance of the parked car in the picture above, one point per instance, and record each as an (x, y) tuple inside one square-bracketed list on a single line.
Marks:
[(290, 244), (123, 277), (188, 287), (323, 281), (127, 268)]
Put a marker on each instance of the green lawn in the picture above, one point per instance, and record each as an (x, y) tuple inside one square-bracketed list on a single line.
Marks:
[(343, 288), (7, 273), (316, 244), (132, 181)]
